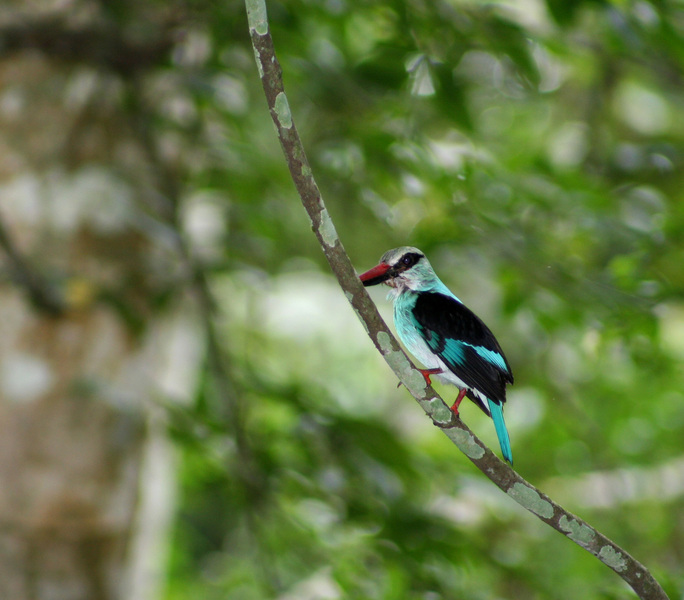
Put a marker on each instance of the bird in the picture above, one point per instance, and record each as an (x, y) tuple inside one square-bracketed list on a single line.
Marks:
[(451, 341)]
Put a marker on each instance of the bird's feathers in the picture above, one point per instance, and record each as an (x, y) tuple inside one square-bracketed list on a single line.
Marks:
[(444, 334), (463, 342), (501, 431)]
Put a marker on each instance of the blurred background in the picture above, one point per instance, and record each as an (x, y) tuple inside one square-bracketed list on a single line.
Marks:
[(189, 407)]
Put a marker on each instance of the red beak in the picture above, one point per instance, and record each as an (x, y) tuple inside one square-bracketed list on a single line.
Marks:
[(376, 275)]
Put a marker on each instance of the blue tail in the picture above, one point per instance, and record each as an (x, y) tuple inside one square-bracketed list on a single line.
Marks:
[(501, 431)]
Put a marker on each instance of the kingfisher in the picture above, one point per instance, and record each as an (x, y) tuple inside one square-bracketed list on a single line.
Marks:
[(451, 341)]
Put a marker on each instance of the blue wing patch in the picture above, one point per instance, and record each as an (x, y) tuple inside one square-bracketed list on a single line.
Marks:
[(491, 356), (454, 352), (463, 342), (451, 352)]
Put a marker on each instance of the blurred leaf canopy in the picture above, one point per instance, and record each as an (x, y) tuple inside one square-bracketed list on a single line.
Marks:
[(534, 151)]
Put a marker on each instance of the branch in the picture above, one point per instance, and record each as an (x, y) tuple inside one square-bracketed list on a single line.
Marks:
[(249, 476), (523, 492), (41, 293)]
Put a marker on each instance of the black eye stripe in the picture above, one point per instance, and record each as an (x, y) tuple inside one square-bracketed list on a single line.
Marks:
[(408, 260)]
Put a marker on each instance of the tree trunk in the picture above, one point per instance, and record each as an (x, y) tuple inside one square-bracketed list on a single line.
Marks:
[(85, 351)]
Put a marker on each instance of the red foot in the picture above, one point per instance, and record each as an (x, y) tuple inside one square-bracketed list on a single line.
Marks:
[(455, 405), (427, 372)]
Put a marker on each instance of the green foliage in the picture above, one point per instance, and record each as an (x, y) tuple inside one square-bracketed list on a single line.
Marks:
[(534, 151)]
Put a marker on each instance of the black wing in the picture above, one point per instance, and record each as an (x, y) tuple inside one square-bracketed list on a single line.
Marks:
[(462, 340)]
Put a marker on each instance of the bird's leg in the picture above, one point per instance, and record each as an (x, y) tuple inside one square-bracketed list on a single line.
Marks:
[(455, 405), (427, 372)]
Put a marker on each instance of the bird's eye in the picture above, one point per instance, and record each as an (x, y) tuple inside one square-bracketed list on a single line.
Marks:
[(408, 260)]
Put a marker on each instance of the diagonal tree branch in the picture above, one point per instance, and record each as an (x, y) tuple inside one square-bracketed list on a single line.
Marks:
[(523, 492), (41, 293)]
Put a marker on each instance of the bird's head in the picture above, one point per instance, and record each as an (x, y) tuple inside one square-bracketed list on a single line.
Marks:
[(402, 268)]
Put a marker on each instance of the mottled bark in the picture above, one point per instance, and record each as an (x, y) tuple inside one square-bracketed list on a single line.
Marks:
[(85, 352)]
